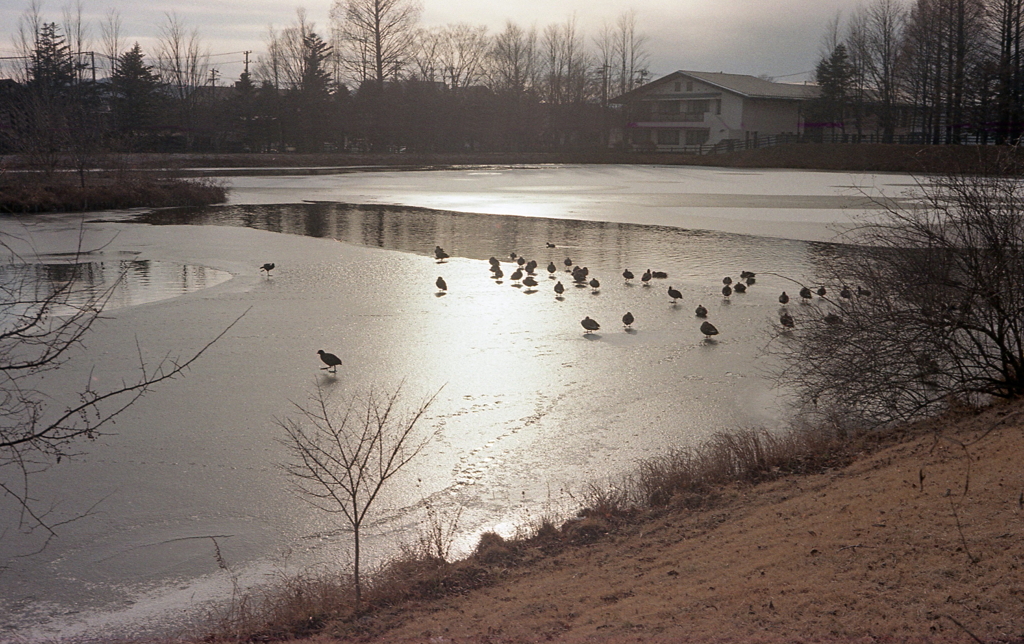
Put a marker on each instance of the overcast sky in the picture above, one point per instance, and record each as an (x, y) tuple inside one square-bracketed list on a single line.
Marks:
[(779, 38)]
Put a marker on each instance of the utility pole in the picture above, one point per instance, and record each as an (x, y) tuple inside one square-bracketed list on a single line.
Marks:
[(213, 77), (247, 61)]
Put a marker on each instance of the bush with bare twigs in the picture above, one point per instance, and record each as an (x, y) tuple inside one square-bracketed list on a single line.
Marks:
[(924, 311)]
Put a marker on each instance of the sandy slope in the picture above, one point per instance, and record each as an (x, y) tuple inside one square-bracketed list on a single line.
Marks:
[(859, 554)]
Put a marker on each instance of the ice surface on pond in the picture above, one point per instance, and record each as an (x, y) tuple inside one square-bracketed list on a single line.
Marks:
[(529, 410)]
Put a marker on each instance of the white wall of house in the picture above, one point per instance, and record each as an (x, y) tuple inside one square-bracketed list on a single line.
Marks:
[(682, 111)]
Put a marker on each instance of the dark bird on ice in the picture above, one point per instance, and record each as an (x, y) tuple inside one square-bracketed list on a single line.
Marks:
[(627, 319), (269, 266), (740, 287), (512, 256), (805, 293), (551, 269), (531, 266), (589, 325), (751, 280), (567, 262), (439, 254), (498, 273), (863, 292), (783, 299), (727, 281), (594, 284), (441, 285), (745, 274), (628, 274), (701, 312), (559, 289), (786, 320), (726, 290), (821, 291), (674, 294), (708, 329), (529, 281), (646, 278), (521, 260), (550, 245), (332, 361), (516, 275), (659, 275), (845, 293)]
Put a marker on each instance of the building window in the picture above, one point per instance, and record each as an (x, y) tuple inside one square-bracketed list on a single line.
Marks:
[(689, 86), (641, 136), (668, 137), (718, 106), (697, 137), (696, 107)]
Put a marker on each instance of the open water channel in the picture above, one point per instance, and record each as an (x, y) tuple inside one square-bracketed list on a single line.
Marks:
[(184, 499)]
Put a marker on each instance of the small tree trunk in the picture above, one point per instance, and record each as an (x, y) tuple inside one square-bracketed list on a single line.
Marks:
[(355, 568)]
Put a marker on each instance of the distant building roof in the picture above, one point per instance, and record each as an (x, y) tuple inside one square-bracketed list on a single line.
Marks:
[(742, 84)]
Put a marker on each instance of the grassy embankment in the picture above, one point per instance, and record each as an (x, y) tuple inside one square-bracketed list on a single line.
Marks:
[(913, 534)]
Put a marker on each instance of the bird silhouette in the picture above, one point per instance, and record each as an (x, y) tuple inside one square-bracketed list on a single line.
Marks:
[(701, 312), (708, 329), (516, 275), (529, 281), (589, 325), (439, 254), (646, 278), (551, 269), (845, 293), (750, 280), (726, 290), (567, 262), (786, 320), (628, 274), (863, 292), (727, 281), (493, 261), (805, 293), (745, 274), (821, 291), (674, 294), (441, 285), (594, 284), (512, 256), (559, 289), (531, 266), (659, 275), (550, 245), (332, 361), (783, 299), (740, 287), (269, 266), (498, 273), (627, 319), (521, 260), (832, 318)]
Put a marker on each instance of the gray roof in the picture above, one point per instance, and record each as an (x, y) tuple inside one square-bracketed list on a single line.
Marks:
[(742, 84)]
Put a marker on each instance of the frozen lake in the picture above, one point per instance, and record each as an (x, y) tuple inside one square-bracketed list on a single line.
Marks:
[(529, 411)]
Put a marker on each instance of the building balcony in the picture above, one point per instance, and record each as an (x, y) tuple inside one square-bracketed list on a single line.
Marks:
[(680, 117)]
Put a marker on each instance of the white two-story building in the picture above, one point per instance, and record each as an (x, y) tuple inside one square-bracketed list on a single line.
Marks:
[(686, 109)]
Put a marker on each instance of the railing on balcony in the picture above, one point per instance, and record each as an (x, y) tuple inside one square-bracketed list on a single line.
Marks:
[(678, 117)]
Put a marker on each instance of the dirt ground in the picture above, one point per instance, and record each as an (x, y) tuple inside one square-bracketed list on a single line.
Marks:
[(921, 540)]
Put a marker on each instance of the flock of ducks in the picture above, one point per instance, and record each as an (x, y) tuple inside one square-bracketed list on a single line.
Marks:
[(524, 274)]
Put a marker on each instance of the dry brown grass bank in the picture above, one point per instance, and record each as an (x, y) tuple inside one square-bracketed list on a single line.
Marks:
[(918, 536), (34, 194)]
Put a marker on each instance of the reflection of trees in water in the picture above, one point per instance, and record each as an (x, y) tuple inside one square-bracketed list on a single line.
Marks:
[(138, 280), (479, 236)]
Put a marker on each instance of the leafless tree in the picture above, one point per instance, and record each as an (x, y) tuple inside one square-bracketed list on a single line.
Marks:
[(184, 64), (44, 316), (287, 54), (77, 32), (375, 37), (566, 64), (630, 51), (343, 457), (113, 41), (513, 66), (878, 38), (934, 307)]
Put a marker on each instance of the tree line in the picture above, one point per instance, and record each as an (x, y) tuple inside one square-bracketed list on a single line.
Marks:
[(374, 80), (950, 71)]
